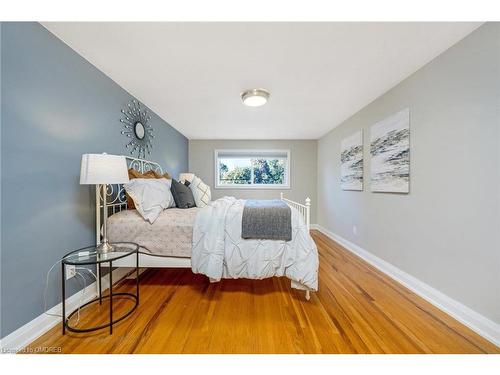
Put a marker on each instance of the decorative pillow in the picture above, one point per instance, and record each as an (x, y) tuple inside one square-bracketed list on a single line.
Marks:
[(183, 177), (133, 174), (150, 196), (183, 195), (164, 175), (201, 192)]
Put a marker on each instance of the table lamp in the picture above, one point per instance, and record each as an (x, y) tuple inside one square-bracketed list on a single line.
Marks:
[(103, 169)]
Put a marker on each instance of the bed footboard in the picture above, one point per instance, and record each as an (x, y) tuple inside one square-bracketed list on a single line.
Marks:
[(304, 209)]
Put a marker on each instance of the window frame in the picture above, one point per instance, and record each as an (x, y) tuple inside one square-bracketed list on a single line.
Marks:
[(252, 153)]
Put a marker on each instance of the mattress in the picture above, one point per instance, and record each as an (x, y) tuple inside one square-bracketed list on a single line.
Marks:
[(170, 235)]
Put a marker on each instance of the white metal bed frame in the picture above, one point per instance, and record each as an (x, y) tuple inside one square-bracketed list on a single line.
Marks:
[(115, 201)]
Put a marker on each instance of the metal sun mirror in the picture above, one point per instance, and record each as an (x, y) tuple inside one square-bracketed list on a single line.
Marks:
[(135, 122)]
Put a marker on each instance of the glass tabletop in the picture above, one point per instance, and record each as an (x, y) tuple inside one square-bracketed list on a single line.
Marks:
[(89, 255)]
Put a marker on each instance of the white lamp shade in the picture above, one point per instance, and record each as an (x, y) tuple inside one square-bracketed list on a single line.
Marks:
[(186, 177), (103, 169)]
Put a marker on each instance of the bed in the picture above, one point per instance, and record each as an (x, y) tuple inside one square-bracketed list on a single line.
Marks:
[(173, 240), (169, 236)]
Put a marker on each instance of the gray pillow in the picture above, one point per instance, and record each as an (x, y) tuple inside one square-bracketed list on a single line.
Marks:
[(183, 196)]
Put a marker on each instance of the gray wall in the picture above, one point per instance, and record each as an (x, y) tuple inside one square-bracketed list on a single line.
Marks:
[(303, 167), (446, 231), (55, 107)]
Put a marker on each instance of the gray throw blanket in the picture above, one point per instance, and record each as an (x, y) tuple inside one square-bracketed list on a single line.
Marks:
[(266, 220)]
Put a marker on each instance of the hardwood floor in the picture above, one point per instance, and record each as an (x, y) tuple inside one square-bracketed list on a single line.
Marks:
[(356, 310)]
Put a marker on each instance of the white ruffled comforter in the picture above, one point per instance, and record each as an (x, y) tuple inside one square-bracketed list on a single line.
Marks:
[(219, 251)]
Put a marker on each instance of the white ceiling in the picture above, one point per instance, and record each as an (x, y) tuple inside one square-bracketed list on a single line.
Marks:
[(319, 74)]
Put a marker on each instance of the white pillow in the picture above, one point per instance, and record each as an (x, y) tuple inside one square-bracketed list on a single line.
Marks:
[(151, 196), (186, 177), (201, 192)]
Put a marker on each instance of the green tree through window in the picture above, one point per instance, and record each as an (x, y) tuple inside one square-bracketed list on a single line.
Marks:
[(252, 167), (268, 171), (237, 175), (256, 171)]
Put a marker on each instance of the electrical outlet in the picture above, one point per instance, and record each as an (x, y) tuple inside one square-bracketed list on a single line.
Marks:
[(355, 230), (70, 271)]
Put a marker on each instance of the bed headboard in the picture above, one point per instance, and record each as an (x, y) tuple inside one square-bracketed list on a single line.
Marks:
[(116, 200)]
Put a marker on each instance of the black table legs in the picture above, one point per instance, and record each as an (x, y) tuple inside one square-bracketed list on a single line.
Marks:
[(66, 326), (63, 289), (110, 298)]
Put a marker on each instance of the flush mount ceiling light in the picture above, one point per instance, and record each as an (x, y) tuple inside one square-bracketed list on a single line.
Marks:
[(255, 97)]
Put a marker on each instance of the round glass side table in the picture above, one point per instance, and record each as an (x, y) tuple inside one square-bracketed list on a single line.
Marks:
[(88, 256)]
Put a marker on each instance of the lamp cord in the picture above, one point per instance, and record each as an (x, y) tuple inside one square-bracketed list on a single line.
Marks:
[(81, 295)]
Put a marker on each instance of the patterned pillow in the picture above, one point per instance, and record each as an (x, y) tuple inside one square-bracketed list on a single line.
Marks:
[(201, 192)]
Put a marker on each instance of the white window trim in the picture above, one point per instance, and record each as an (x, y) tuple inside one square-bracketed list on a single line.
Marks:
[(286, 185)]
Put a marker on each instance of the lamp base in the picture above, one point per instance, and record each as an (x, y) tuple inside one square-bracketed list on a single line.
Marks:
[(105, 247)]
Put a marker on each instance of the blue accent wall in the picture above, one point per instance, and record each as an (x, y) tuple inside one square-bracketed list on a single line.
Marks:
[(55, 106)]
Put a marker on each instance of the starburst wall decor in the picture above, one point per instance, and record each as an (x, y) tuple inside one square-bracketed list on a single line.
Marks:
[(136, 126)]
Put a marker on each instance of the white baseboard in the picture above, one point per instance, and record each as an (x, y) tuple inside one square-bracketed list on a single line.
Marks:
[(472, 319), (29, 332)]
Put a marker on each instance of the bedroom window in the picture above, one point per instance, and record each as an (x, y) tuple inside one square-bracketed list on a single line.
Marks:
[(252, 169)]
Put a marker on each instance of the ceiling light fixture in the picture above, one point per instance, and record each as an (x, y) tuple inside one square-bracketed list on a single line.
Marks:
[(255, 97)]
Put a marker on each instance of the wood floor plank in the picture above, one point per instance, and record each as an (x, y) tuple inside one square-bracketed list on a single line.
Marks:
[(357, 309)]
